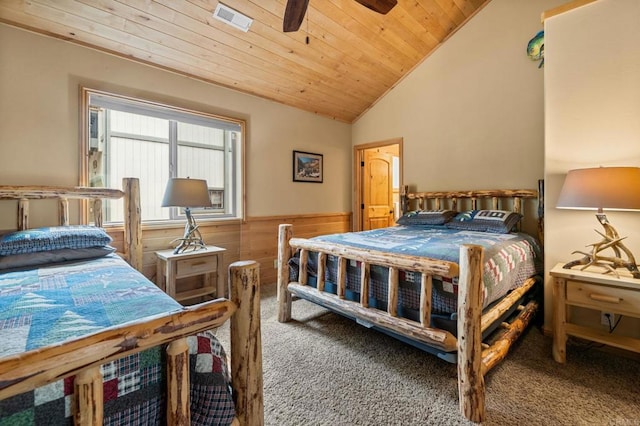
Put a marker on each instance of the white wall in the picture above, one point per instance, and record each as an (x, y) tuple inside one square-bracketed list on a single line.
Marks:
[(592, 103), (39, 123), (471, 115)]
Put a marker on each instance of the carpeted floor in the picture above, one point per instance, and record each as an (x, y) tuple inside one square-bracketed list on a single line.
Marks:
[(323, 369)]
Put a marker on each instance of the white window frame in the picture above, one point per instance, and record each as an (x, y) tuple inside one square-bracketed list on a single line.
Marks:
[(233, 150)]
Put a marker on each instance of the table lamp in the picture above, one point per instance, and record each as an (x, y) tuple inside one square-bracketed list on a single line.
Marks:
[(187, 193), (603, 188)]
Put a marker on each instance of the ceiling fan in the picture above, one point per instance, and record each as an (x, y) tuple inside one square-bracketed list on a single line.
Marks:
[(296, 9)]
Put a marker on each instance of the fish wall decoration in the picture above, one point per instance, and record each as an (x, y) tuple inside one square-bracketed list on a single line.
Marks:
[(535, 48)]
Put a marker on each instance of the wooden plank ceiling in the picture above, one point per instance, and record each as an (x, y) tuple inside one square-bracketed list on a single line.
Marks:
[(354, 55)]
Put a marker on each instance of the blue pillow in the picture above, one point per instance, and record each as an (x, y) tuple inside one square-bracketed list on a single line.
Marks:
[(498, 221), (426, 217), (54, 256), (53, 238)]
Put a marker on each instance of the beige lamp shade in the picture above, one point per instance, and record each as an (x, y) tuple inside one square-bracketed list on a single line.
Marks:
[(185, 192), (601, 188)]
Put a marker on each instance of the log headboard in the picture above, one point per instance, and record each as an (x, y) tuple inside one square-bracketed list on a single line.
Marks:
[(504, 199), (132, 220)]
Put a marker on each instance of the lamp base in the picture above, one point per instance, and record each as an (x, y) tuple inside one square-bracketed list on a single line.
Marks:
[(192, 239), (610, 239)]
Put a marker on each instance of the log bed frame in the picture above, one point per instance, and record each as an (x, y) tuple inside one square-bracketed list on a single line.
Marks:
[(83, 356), (474, 358)]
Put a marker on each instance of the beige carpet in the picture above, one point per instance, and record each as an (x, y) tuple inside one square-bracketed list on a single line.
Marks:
[(323, 369)]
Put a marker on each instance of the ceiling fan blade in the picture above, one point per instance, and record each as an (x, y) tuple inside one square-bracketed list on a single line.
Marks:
[(294, 14), (380, 6)]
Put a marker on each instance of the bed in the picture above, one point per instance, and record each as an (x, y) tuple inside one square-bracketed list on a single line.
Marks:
[(87, 339), (456, 278)]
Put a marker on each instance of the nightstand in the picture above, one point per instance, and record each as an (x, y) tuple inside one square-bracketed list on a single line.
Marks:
[(592, 290), (207, 262)]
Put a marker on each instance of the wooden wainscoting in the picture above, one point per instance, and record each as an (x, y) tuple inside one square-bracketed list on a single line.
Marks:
[(259, 239), (255, 239)]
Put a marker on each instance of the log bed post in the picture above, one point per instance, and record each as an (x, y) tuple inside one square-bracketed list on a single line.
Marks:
[(541, 211), (132, 223), (87, 397), (471, 389), (285, 232), (404, 200), (178, 409), (246, 343)]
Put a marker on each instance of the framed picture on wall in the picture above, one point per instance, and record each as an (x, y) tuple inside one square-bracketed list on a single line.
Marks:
[(307, 167)]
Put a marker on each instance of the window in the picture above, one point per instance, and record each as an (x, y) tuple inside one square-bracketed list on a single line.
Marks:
[(153, 142)]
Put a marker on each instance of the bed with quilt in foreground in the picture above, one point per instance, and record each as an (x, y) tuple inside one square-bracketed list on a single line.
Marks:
[(87, 339)]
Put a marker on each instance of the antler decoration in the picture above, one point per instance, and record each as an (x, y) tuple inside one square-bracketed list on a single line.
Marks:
[(610, 240)]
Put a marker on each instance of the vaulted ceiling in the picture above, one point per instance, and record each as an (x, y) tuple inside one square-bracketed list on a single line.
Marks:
[(352, 58)]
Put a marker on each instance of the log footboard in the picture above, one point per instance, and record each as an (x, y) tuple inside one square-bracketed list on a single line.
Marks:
[(471, 389), (474, 358), (25, 371), (246, 343)]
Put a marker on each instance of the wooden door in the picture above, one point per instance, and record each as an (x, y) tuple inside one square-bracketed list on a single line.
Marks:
[(377, 197)]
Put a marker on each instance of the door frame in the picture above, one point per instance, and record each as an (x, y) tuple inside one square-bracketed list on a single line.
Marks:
[(358, 158)]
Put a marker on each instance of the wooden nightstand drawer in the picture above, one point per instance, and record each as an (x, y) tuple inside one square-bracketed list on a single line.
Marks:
[(196, 266), (602, 298)]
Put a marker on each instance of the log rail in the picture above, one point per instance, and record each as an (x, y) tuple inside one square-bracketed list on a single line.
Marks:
[(453, 199), (475, 358), (82, 357)]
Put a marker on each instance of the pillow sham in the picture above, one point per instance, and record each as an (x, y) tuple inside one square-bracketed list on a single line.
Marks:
[(54, 256), (498, 221), (53, 238), (426, 217)]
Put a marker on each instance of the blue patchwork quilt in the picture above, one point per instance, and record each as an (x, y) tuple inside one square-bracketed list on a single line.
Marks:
[(48, 305), (40, 307), (509, 259)]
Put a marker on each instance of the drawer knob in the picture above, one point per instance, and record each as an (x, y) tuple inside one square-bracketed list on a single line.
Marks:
[(198, 263), (604, 298)]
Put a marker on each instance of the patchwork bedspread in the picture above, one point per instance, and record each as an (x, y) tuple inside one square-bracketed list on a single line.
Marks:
[(40, 307), (49, 305), (509, 260)]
